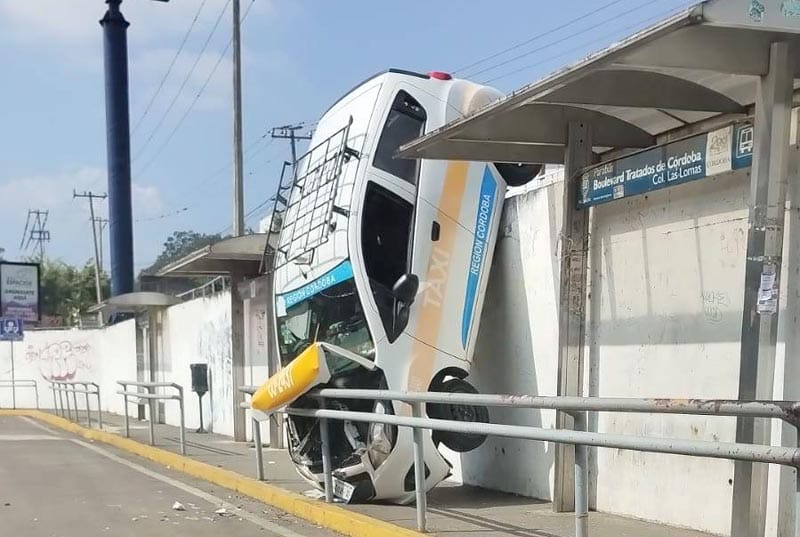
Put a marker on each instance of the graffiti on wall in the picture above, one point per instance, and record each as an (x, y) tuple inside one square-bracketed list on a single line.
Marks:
[(61, 360), (214, 347)]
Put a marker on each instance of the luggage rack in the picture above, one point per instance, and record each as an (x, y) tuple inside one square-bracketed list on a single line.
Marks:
[(302, 216)]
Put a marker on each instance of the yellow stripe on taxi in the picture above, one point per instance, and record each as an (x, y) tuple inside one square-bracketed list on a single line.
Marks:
[(302, 374)]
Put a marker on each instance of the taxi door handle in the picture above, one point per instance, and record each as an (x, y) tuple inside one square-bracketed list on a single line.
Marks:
[(435, 229)]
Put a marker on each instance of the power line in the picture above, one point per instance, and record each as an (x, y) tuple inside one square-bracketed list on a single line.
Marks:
[(185, 80), (583, 45), (556, 42), (169, 69), (196, 98), (536, 37), (91, 196), (208, 179)]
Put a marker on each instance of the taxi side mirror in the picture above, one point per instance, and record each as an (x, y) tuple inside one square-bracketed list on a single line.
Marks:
[(405, 288)]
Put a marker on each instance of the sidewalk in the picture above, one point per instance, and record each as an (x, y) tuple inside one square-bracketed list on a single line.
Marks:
[(453, 509)]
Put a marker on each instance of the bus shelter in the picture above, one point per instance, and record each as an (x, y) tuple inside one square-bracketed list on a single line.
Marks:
[(707, 92)]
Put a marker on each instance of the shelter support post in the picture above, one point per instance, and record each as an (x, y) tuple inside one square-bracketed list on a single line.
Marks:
[(276, 437), (572, 303), (768, 181), (237, 357), (259, 449)]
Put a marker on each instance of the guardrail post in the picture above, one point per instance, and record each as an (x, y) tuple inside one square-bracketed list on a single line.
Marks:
[(183, 426), (61, 399), (326, 456), (100, 408), (127, 423), (151, 408), (419, 469), (259, 452), (581, 479), (88, 408), (75, 403), (66, 397), (55, 404)]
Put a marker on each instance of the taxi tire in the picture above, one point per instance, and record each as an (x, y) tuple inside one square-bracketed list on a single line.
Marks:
[(458, 442)]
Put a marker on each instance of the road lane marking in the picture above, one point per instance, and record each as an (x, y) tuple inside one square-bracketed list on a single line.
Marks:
[(27, 437), (210, 498), (34, 423)]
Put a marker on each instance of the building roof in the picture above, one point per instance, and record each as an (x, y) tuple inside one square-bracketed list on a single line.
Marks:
[(699, 64), (235, 255)]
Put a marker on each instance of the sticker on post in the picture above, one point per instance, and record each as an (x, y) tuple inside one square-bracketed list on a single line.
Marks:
[(767, 303), (342, 489)]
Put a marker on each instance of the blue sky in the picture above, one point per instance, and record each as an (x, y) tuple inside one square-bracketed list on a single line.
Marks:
[(299, 56)]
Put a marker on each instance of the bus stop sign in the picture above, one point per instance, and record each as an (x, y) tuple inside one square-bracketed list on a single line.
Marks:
[(10, 329)]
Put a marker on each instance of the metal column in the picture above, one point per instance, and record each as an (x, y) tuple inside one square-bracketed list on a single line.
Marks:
[(115, 47), (237, 358), (238, 166), (762, 277), (572, 303), (276, 437)]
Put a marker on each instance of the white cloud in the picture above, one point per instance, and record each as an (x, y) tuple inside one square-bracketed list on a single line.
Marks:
[(56, 23), (149, 67), (147, 200), (68, 219)]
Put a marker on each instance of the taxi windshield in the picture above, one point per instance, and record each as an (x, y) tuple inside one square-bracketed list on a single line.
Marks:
[(334, 316)]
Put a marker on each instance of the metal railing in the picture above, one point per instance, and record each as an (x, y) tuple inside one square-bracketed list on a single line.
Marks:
[(150, 396), (64, 388), (580, 437), (216, 285), (20, 383)]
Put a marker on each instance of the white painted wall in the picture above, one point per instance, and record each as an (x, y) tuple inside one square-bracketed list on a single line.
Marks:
[(199, 331), (516, 351), (665, 313), (101, 356)]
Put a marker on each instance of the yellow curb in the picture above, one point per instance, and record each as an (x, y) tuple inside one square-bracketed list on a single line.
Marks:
[(326, 515)]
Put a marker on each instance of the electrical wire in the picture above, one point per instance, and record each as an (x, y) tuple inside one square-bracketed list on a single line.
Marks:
[(196, 98), (558, 41), (169, 69), (583, 46), (185, 81), (536, 37)]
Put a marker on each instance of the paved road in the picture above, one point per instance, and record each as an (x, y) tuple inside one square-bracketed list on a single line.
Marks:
[(53, 484)]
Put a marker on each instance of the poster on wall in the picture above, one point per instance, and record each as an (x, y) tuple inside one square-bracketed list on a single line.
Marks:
[(19, 291), (704, 155)]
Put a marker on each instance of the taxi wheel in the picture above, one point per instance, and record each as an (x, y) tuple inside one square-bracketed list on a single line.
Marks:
[(459, 442)]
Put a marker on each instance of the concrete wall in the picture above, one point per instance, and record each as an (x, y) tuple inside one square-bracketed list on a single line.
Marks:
[(101, 356), (516, 351), (199, 331), (664, 320)]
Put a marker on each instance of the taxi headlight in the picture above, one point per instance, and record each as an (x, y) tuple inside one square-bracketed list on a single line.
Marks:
[(381, 436)]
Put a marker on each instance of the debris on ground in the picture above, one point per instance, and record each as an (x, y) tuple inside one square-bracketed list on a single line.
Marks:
[(178, 506), (223, 512)]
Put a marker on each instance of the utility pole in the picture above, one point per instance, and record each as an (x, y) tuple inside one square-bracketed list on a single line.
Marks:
[(289, 132), (91, 196), (101, 224), (238, 163), (35, 231)]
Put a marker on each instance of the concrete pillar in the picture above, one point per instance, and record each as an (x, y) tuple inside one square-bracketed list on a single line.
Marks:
[(572, 303), (237, 358), (762, 276)]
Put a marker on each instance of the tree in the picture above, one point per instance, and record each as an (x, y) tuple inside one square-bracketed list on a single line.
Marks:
[(180, 244), (66, 291)]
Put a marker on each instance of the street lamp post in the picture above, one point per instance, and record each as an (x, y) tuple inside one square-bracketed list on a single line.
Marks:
[(120, 227)]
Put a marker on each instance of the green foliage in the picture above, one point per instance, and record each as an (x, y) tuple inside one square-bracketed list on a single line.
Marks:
[(68, 290), (180, 244)]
